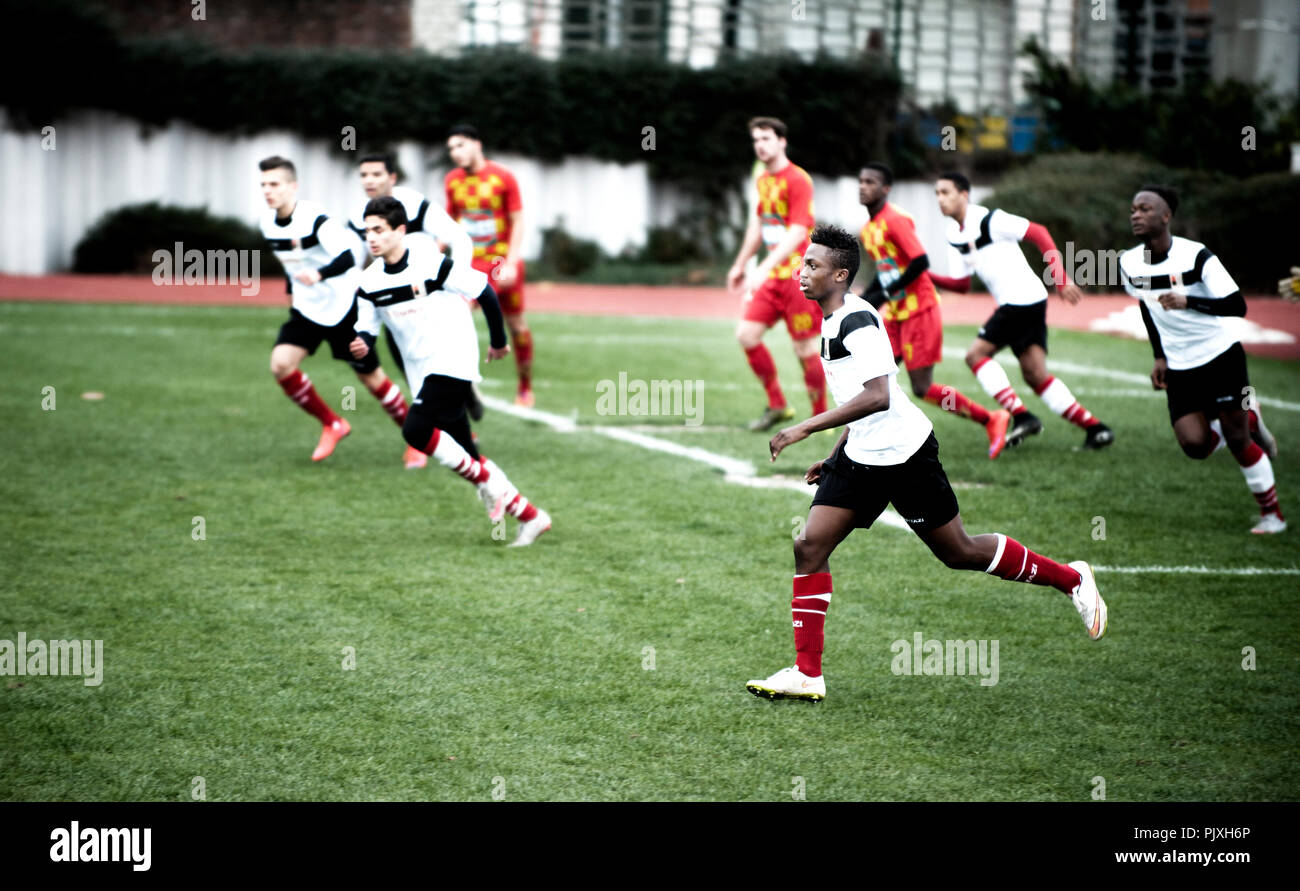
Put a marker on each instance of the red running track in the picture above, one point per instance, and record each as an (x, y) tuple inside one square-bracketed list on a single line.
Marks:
[(679, 302)]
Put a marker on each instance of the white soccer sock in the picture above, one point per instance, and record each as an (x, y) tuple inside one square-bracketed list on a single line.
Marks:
[(1259, 476), (450, 454), (995, 382)]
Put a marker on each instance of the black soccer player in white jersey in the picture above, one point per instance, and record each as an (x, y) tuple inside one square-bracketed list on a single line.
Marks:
[(1185, 293), (317, 254), (423, 298), (888, 453), (379, 176), (986, 242)]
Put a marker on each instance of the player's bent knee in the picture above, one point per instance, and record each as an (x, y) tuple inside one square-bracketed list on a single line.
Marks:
[(1197, 449), (417, 431), (920, 390), (809, 551)]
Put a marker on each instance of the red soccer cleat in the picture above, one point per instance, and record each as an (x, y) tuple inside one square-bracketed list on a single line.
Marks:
[(524, 398), (329, 438), (414, 458), (997, 430)]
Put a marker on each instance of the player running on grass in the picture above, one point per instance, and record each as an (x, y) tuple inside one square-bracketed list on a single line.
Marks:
[(1184, 293), (484, 198), (316, 252), (905, 296), (423, 297), (986, 242), (887, 454), (781, 223)]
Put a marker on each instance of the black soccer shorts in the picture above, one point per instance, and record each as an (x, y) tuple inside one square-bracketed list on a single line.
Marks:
[(918, 488), (1018, 327), (303, 332), (1218, 385)]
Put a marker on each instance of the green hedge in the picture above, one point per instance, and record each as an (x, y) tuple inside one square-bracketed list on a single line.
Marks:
[(840, 112), (124, 240), (1085, 198)]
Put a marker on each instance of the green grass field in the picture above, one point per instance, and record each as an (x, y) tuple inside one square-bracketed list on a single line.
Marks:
[(526, 671)]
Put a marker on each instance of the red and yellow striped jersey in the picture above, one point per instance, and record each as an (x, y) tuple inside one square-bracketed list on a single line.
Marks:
[(482, 202), (890, 238), (785, 199)]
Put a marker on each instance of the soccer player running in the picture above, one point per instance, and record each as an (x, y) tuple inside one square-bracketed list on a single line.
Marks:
[(423, 297), (905, 296), (484, 198), (888, 453), (1185, 293), (986, 242), (379, 176), (781, 223), (316, 252)]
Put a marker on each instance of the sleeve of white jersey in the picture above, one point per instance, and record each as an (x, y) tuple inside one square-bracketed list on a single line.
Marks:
[(1216, 278), (869, 346), (449, 232), (367, 316), (1005, 226), (1128, 282), (335, 238), (465, 280)]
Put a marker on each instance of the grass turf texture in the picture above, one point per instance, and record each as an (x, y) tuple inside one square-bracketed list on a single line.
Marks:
[(223, 657)]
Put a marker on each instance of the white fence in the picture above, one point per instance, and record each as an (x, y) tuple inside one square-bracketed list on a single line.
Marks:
[(54, 186)]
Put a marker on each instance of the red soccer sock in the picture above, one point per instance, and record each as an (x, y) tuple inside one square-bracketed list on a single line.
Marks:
[(812, 597), (521, 509), (390, 397), (951, 399), (298, 387), (760, 360), (814, 378), (1016, 563), (524, 358), (1258, 471)]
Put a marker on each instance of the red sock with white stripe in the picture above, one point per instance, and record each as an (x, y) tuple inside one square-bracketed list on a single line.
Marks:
[(298, 387), (1060, 400), (520, 509), (951, 399), (390, 397), (760, 362), (994, 380), (812, 597), (450, 454), (1258, 471), (1016, 563)]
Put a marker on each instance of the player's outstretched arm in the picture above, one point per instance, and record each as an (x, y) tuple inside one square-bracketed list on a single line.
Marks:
[(960, 285), (1037, 235), (873, 398)]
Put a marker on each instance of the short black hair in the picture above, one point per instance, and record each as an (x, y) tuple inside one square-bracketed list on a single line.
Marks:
[(385, 158), (276, 161), (842, 244), (957, 179), (387, 207), (1168, 193), (776, 125), (883, 169), (468, 130)]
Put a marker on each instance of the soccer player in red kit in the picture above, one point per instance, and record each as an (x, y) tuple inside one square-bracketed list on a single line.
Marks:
[(781, 223), (905, 296), (484, 198), (888, 453)]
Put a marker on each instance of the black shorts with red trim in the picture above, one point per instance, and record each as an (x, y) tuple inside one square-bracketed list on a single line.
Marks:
[(918, 488), (302, 332), (1219, 385), (1018, 327)]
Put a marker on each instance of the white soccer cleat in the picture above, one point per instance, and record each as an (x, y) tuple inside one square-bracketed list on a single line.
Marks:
[(1268, 524), (1264, 439), (790, 683), (529, 531), (1087, 600)]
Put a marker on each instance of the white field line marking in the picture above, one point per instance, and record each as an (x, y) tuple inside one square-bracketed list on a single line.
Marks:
[(1128, 377), (743, 473)]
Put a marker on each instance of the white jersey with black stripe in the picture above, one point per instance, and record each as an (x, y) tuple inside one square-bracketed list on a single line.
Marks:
[(855, 349), (987, 244), (1189, 338), (423, 299), (423, 218), (309, 239)]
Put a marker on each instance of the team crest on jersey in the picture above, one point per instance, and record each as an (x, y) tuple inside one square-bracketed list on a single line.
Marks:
[(417, 290)]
